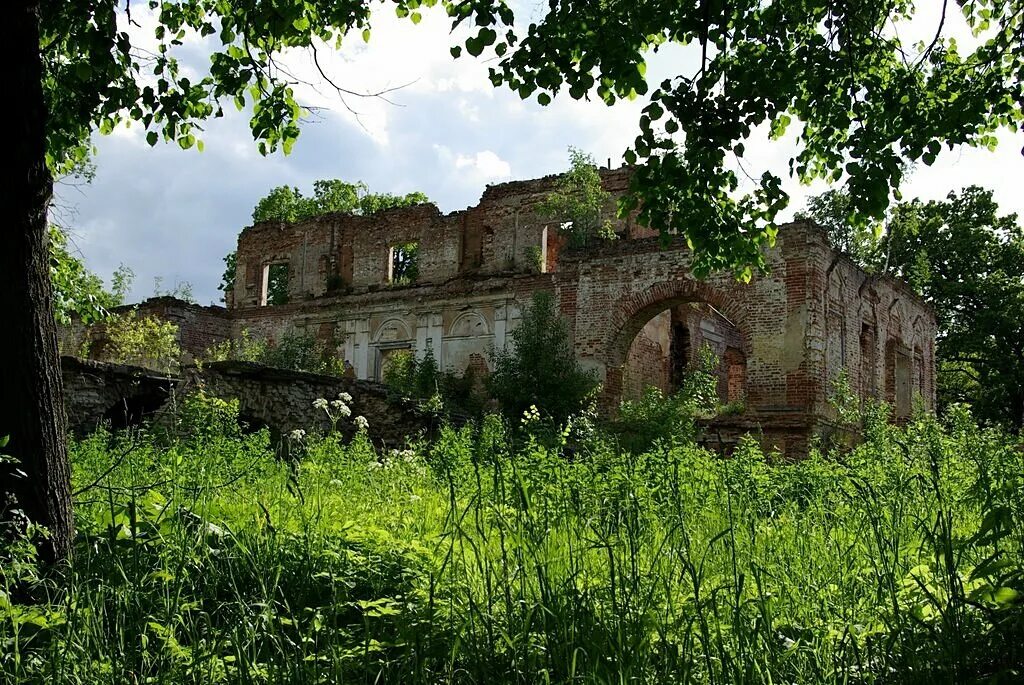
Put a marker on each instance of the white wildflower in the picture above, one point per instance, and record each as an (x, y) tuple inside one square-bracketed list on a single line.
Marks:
[(298, 434), (414, 498), (337, 404), (361, 423), (344, 397), (344, 410), (320, 403)]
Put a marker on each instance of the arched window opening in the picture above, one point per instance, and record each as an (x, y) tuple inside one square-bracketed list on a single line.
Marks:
[(898, 378)]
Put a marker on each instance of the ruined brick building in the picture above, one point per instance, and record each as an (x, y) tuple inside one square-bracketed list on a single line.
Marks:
[(416, 279)]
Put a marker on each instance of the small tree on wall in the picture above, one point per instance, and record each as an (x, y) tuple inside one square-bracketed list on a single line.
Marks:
[(579, 201)]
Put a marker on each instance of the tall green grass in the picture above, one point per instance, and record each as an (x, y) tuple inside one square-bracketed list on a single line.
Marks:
[(498, 555)]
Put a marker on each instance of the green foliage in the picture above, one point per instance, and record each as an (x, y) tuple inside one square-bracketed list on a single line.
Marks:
[(145, 341), (294, 351), (579, 202), (76, 290), (672, 420), (278, 280), (476, 558), (541, 370), (968, 262), (227, 280), (535, 258), (286, 203), (862, 98), (405, 266), (244, 348), (121, 282), (423, 380), (181, 290), (94, 78), (301, 351), (833, 210)]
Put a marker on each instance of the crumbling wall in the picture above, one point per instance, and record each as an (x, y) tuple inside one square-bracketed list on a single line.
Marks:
[(782, 339), (199, 328), (284, 400), (96, 393), (113, 395)]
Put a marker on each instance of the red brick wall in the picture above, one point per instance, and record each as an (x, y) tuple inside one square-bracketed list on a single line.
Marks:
[(783, 338)]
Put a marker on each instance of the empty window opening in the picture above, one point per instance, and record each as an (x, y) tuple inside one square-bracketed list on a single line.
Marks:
[(920, 386), (275, 285), (903, 387), (679, 354), (868, 372), (898, 369), (736, 375), (403, 263)]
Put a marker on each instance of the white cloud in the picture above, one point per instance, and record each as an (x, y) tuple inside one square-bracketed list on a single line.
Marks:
[(477, 168)]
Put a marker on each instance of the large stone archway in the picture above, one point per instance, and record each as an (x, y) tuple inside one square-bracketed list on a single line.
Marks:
[(613, 293), (636, 312)]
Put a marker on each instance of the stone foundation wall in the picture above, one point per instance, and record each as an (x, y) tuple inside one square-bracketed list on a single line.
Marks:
[(98, 393), (283, 400)]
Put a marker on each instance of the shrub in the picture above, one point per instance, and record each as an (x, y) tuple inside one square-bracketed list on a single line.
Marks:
[(579, 202), (294, 351), (145, 341), (541, 369), (423, 380)]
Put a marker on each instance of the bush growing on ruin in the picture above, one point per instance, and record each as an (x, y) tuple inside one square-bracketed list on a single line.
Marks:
[(297, 351), (293, 351), (579, 202), (423, 380), (286, 203), (142, 341), (671, 418), (541, 370)]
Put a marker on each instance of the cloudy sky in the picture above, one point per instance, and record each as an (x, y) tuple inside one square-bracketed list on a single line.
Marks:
[(174, 214)]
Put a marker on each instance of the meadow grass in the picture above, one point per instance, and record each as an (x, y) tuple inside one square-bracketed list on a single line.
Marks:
[(497, 554)]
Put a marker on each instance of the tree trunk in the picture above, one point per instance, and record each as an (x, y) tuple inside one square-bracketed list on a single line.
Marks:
[(31, 389)]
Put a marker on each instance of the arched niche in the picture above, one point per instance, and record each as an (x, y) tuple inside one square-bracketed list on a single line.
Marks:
[(468, 325), (392, 330), (466, 343)]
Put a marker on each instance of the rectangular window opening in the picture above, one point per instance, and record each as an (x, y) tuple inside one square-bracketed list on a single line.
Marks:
[(403, 263), (275, 285)]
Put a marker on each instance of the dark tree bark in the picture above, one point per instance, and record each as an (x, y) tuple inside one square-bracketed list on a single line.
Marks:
[(31, 389)]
